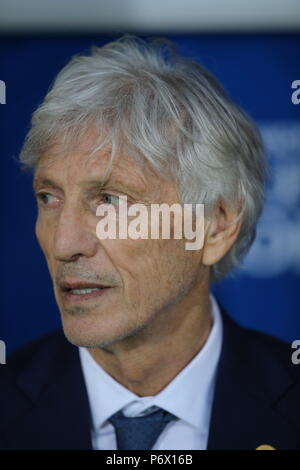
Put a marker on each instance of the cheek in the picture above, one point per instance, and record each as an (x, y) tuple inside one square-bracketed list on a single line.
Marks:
[(44, 236), (176, 267), (137, 265), (151, 267), (39, 232), (131, 258)]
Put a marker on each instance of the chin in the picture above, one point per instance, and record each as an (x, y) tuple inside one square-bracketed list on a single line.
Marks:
[(89, 333)]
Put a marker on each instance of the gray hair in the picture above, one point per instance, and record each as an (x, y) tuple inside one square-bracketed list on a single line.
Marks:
[(173, 113)]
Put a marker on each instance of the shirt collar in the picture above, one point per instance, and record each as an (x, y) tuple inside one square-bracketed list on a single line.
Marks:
[(188, 396)]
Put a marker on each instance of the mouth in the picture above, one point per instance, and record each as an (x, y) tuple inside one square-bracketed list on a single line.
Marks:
[(82, 291)]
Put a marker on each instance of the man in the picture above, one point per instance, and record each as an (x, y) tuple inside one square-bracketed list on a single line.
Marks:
[(154, 362)]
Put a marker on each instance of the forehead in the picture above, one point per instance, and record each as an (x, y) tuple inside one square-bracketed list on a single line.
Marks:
[(79, 163)]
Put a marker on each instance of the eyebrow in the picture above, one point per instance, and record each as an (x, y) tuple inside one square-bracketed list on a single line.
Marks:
[(92, 185), (118, 184), (44, 182)]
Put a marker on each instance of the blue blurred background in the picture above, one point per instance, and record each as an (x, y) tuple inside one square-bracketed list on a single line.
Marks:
[(257, 67)]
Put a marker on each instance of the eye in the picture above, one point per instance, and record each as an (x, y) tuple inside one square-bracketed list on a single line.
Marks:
[(111, 199), (46, 198)]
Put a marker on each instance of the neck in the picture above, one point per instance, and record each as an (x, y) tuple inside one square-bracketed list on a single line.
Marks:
[(146, 362)]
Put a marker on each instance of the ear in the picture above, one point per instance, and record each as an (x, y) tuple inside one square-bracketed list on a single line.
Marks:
[(221, 232)]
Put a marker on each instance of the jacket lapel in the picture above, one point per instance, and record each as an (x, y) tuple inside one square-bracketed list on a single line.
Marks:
[(247, 404), (249, 407), (56, 413)]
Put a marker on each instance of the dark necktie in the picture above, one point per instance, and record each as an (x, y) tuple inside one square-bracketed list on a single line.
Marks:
[(141, 432)]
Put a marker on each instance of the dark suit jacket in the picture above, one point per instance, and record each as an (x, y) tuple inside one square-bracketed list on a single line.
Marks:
[(44, 404)]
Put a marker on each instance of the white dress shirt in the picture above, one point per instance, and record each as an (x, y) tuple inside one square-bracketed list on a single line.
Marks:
[(188, 396)]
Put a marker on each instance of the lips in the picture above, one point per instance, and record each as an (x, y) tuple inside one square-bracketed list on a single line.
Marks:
[(78, 291), (67, 286)]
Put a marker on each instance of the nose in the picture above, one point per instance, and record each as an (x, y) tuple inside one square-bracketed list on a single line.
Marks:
[(74, 236)]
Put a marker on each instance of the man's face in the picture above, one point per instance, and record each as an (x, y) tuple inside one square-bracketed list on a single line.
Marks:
[(133, 282)]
